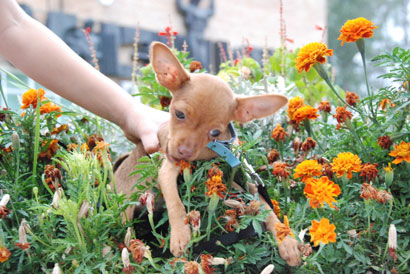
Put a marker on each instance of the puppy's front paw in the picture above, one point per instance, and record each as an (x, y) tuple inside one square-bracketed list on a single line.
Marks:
[(288, 250), (180, 237)]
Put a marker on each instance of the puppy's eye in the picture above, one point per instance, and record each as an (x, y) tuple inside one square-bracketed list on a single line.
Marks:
[(214, 133), (180, 115)]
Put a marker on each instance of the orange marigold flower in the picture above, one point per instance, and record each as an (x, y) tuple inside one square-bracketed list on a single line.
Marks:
[(322, 232), (92, 141), (52, 177), (346, 163), (401, 152), (341, 115), (4, 254), (308, 144), (368, 192), (307, 169), (352, 98), (384, 142), (50, 148), (293, 105), (278, 133), (369, 172), (320, 191), (215, 171), (101, 146), (184, 165), (137, 249), (216, 186), (279, 169), (206, 262), (30, 98), (84, 147), (49, 107), (283, 230), (72, 147), (356, 29), (191, 267), (273, 155), (59, 129), (384, 102), (305, 112), (325, 106), (276, 207), (311, 54)]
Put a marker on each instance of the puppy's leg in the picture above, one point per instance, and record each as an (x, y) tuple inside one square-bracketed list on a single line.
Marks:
[(180, 232), (288, 248)]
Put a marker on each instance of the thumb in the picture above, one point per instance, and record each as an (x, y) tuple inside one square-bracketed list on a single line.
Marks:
[(150, 142)]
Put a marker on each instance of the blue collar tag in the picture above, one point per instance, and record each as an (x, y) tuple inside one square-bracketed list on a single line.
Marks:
[(222, 148)]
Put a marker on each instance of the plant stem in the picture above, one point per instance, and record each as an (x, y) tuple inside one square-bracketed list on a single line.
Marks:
[(36, 138)]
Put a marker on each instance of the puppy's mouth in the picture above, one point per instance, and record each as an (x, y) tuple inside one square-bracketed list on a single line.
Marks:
[(170, 157)]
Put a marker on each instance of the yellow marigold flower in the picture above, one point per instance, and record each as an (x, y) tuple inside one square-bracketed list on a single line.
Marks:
[(320, 191), (401, 152), (216, 186), (307, 169), (278, 133), (322, 232), (346, 163), (283, 230), (30, 98), (293, 105), (305, 112), (356, 29), (311, 54)]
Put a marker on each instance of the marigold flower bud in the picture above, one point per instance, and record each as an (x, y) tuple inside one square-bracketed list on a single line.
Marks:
[(15, 140)]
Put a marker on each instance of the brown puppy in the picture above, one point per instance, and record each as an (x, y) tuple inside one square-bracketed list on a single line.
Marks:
[(201, 109)]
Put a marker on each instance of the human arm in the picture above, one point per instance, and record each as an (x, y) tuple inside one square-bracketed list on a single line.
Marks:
[(45, 58)]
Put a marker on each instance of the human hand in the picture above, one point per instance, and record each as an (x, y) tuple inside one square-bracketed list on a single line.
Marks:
[(143, 125)]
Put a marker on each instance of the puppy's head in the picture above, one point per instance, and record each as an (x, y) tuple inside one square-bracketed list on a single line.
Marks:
[(202, 106)]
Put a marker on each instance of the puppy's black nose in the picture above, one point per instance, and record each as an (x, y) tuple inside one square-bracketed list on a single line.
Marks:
[(185, 152)]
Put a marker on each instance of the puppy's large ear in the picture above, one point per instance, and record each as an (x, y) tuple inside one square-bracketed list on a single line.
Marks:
[(169, 71), (254, 107)]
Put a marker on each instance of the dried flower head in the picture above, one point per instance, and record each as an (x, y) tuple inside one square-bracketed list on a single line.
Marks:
[(369, 172), (322, 232), (279, 133), (125, 256), (216, 186), (4, 211), (342, 115), (52, 177), (138, 250), (194, 218), (49, 149), (191, 267), (311, 54), (320, 191), (206, 263), (401, 152), (307, 169), (325, 106), (305, 112), (352, 98), (345, 164), (273, 155), (23, 244), (383, 196), (165, 101), (327, 170), (231, 220), (356, 29), (195, 65), (384, 142), (308, 144), (305, 249), (253, 208), (147, 199), (368, 192), (392, 241), (280, 170), (283, 230)]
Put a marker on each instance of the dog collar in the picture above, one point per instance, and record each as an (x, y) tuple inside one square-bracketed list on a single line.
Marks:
[(222, 148)]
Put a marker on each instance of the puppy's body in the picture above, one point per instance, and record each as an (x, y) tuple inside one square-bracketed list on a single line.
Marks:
[(201, 109)]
